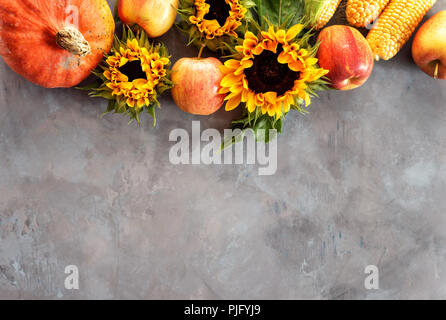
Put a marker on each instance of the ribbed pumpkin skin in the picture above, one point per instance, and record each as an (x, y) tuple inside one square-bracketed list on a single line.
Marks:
[(28, 38)]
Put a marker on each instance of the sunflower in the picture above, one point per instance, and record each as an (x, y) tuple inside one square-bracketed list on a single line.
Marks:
[(212, 23), (273, 72), (134, 74)]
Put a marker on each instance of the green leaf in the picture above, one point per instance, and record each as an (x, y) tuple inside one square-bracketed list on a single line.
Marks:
[(260, 124), (229, 140), (284, 13), (89, 87), (151, 111), (264, 125)]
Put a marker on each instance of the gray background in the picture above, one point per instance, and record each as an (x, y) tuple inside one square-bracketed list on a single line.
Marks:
[(361, 180)]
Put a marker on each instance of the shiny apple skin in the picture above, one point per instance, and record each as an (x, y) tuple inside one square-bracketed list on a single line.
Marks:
[(429, 46), (156, 17), (345, 52), (196, 85)]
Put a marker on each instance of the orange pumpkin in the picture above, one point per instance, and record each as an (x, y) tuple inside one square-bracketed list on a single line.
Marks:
[(55, 43)]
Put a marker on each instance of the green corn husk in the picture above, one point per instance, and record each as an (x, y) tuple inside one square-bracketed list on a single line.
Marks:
[(313, 10)]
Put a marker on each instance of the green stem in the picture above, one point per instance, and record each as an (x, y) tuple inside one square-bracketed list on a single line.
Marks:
[(201, 51)]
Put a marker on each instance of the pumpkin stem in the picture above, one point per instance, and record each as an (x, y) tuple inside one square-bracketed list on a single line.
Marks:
[(72, 40)]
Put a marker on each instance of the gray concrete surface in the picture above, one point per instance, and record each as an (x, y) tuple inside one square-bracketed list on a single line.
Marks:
[(361, 181)]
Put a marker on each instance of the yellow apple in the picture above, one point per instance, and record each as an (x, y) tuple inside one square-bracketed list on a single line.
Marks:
[(156, 17), (429, 46)]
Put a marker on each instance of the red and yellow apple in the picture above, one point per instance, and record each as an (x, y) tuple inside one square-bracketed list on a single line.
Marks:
[(196, 85), (429, 46), (344, 51), (156, 17)]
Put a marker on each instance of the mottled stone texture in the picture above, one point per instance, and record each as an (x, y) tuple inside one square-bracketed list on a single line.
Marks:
[(361, 180)]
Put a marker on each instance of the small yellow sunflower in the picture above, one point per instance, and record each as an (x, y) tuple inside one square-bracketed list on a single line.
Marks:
[(134, 74), (273, 72), (212, 23), (208, 20)]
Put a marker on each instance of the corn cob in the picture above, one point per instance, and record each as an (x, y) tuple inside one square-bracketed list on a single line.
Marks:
[(325, 9), (361, 13), (396, 25)]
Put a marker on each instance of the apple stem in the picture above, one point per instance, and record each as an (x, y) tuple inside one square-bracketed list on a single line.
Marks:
[(436, 71), (201, 51)]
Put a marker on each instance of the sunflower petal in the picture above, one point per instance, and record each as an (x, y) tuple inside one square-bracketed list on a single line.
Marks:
[(230, 79), (232, 64), (271, 97), (251, 102), (293, 32), (233, 103)]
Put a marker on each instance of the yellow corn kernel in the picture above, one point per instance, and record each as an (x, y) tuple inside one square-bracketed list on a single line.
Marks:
[(327, 13), (361, 13), (396, 25)]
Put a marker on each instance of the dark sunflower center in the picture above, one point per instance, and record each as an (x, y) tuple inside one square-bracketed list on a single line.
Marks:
[(219, 11), (267, 74), (133, 70)]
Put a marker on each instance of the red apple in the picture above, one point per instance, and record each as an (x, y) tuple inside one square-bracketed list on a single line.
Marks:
[(156, 17), (345, 52), (196, 84), (429, 46)]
